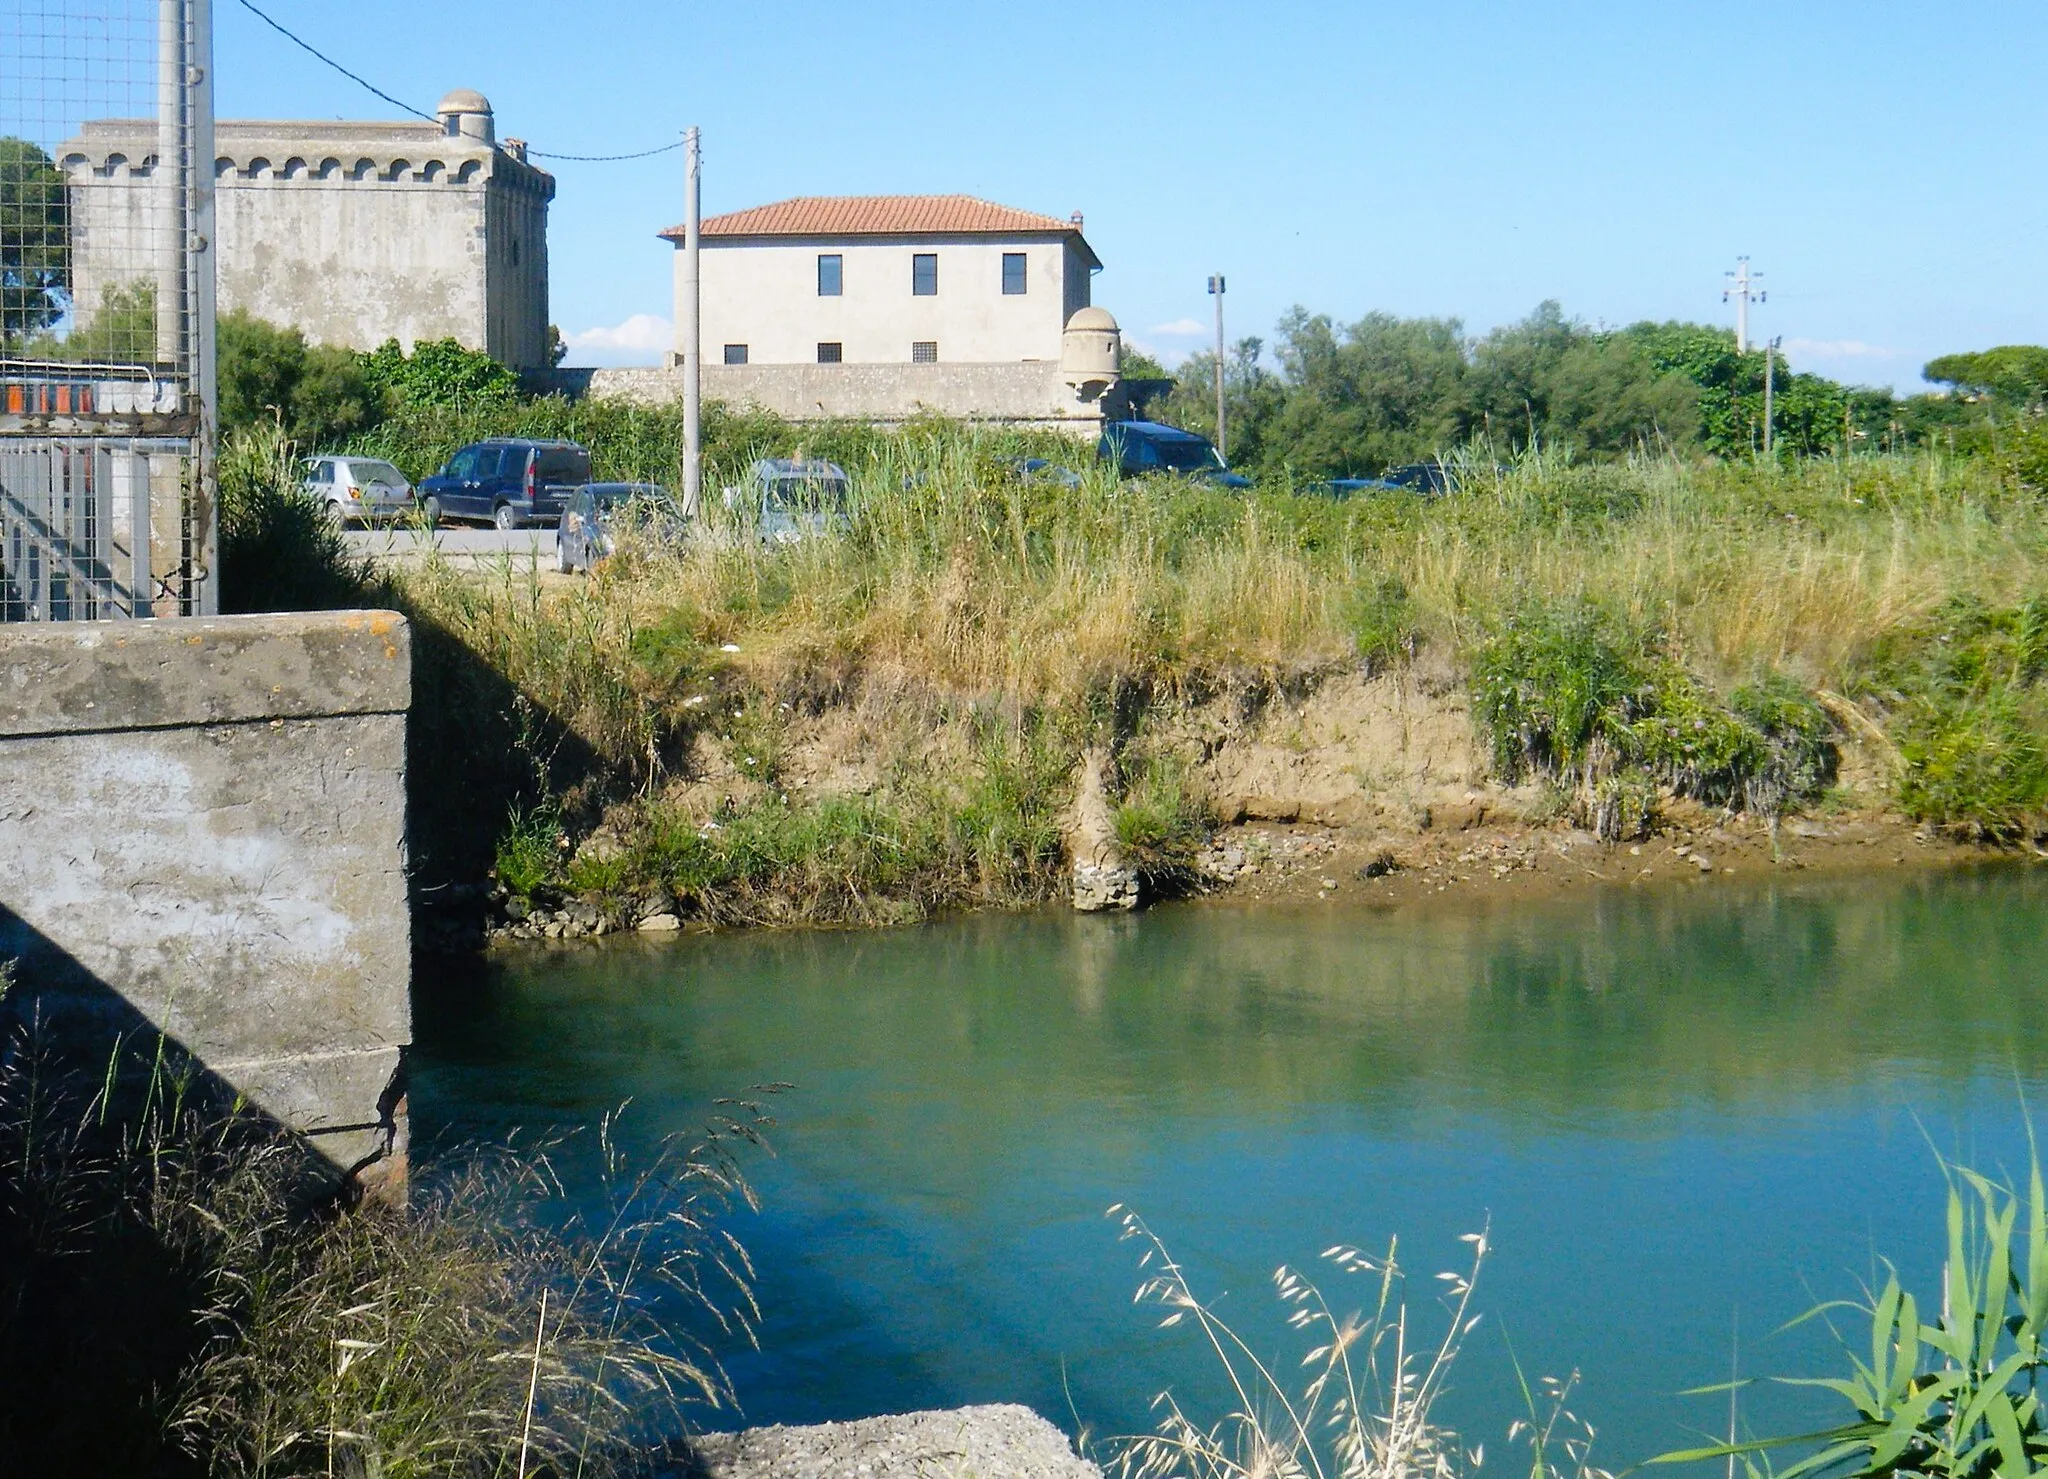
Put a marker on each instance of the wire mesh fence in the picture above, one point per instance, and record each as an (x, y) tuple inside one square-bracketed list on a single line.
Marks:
[(106, 303)]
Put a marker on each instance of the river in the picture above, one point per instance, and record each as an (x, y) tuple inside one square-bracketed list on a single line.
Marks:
[(1686, 1113)]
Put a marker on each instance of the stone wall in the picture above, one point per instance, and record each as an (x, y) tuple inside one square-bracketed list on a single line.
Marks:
[(202, 835), (353, 233), (1033, 394)]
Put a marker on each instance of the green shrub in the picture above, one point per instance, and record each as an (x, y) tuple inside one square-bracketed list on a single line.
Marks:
[(280, 548), (1161, 820), (1554, 681), (1574, 694), (529, 855), (1381, 620), (1968, 689)]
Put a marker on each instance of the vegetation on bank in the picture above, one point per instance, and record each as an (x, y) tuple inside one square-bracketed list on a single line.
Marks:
[(1628, 630), (180, 1294)]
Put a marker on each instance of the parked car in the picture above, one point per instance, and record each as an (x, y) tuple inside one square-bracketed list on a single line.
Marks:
[(1430, 479), (364, 489), (507, 481), (786, 498), (597, 513), (1141, 447), (1044, 470), (1342, 488)]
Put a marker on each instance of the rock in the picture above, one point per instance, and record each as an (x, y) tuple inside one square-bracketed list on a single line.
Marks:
[(659, 923), (1098, 887), (517, 910), (1380, 864), (1702, 862), (994, 1442), (1458, 816)]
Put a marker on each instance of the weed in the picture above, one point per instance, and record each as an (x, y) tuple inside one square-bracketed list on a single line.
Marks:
[(530, 850), (1951, 1388)]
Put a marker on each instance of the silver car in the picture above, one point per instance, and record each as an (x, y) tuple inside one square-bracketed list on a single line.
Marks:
[(359, 489), (593, 516), (786, 499)]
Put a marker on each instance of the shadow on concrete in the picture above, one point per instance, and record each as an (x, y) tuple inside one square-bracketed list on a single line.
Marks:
[(113, 1136)]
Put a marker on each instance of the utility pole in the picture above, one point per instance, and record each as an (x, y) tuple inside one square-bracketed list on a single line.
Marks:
[(692, 336), (1216, 292), (1770, 384), (1742, 287)]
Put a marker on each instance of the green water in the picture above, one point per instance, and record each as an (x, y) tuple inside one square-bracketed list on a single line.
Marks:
[(1686, 1114)]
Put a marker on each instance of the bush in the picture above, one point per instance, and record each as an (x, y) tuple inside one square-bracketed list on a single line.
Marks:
[(280, 548), (317, 393), (1574, 694), (1968, 689), (439, 373)]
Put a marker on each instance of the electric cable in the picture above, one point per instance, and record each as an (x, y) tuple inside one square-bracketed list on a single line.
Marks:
[(321, 56)]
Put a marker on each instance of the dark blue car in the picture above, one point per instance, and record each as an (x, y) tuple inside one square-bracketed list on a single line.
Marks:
[(1141, 447), (507, 481)]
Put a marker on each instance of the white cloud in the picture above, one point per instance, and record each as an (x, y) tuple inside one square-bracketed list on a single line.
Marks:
[(641, 340), (1180, 327), (1840, 349)]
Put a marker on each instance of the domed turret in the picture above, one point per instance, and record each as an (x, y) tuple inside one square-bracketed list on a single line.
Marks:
[(1091, 351), (466, 113)]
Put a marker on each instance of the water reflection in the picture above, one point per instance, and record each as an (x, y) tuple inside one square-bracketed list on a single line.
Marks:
[(1672, 1104)]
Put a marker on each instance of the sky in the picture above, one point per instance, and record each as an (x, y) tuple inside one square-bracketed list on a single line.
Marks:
[(1878, 163)]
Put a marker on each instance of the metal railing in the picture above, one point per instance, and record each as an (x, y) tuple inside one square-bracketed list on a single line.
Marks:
[(106, 309)]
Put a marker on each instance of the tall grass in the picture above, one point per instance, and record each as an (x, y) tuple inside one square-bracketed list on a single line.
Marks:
[(1362, 1401), (179, 1293), (1736, 589)]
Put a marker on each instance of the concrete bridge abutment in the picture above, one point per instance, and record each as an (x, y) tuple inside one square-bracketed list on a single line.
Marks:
[(202, 836)]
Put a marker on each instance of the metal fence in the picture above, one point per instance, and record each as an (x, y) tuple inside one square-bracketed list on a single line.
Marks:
[(106, 309)]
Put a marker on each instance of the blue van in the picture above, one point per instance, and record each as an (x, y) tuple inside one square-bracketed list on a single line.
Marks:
[(1141, 447), (507, 481)]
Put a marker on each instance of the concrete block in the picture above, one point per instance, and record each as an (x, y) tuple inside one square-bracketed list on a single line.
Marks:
[(202, 834)]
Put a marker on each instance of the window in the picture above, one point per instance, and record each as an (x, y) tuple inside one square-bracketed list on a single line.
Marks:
[(1013, 274), (831, 274), (735, 354), (828, 354), (924, 352), (924, 274)]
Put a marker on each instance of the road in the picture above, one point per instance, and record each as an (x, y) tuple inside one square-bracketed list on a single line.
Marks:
[(523, 548)]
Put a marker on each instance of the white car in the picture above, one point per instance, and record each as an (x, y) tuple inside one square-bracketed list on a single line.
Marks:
[(359, 489)]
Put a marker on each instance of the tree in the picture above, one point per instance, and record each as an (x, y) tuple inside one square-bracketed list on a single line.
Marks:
[(439, 372), (35, 242), (2014, 373), (319, 394)]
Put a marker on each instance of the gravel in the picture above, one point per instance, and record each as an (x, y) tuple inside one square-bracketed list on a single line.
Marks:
[(995, 1442)]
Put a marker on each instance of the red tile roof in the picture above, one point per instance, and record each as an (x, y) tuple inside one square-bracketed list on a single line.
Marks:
[(879, 215)]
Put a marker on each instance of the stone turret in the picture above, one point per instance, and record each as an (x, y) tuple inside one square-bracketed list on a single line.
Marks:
[(466, 113)]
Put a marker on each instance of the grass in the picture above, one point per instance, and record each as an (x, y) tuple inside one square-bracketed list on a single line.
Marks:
[(1360, 1404), (179, 1293), (1628, 630)]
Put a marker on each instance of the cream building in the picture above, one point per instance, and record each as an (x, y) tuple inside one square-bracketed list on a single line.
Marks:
[(883, 307), (352, 232), (888, 279)]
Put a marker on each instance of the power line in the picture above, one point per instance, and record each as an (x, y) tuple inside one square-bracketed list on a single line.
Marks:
[(314, 51), (363, 82), (603, 158)]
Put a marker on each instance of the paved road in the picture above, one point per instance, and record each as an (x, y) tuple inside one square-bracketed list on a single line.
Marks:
[(523, 547)]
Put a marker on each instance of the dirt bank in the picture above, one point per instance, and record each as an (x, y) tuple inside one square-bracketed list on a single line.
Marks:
[(1343, 784), (1377, 785)]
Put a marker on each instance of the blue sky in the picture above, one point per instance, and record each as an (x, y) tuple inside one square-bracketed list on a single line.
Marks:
[(1878, 162)]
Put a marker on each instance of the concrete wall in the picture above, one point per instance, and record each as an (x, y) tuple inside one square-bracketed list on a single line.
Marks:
[(1031, 394), (202, 833), (763, 293), (352, 232)]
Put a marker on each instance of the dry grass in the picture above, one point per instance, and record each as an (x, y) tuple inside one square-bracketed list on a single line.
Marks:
[(179, 1294), (1363, 1405)]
